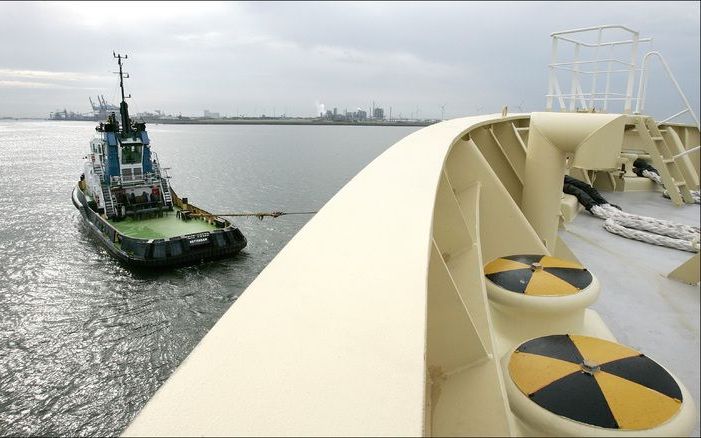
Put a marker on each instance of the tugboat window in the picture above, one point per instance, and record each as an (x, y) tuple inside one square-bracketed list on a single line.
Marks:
[(131, 154)]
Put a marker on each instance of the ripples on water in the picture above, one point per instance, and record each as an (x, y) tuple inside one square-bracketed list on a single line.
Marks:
[(85, 342)]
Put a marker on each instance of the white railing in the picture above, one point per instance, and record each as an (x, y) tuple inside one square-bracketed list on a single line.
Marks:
[(147, 178), (97, 164), (578, 68), (577, 95), (157, 165), (642, 89)]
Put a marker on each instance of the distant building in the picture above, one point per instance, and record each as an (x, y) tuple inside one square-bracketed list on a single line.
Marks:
[(358, 116), (210, 115)]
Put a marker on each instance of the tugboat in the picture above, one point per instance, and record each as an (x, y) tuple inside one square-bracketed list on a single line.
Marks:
[(128, 204)]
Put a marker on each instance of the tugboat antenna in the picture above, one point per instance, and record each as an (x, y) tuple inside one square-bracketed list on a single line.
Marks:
[(123, 107)]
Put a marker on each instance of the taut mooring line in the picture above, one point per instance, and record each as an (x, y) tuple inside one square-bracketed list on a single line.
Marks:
[(259, 215)]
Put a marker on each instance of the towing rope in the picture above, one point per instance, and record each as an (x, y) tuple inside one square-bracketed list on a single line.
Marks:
[(648, 229), (260, 215), (645, 170), (631, 226), (694, 194)]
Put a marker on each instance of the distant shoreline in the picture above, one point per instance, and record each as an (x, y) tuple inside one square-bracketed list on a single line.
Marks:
[(309, 122), (314, 122)]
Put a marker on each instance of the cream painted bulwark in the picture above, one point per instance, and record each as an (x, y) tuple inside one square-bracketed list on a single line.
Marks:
[(374, 319), (330, 338)]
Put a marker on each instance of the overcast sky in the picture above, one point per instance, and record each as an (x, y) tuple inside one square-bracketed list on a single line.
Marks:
[(255, 58)]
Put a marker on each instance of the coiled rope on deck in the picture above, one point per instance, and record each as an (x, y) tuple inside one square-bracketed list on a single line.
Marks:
[(641, 168), (648, 229), (643, 228)]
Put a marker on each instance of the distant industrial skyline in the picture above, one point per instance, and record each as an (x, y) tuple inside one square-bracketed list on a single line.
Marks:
[(425, 60), (101, 109)]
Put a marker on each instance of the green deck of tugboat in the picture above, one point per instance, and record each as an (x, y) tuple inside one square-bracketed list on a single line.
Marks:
[(160, 227)]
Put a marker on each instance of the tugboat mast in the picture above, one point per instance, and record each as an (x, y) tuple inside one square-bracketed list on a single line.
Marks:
[(123, 107)]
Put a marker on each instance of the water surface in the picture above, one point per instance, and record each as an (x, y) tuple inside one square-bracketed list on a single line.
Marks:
[(84, 341)]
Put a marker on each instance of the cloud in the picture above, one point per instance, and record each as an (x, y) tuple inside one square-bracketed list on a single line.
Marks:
[(51, 75), (48, 80), (385, 60), (241, 57), (41, 85), (129, 15), (211, 38), (25, 84)]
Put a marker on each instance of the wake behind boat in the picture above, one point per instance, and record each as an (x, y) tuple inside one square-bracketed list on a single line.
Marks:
[(128, 204)]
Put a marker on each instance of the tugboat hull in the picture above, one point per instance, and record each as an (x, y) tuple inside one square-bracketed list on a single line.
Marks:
[(149, 253)]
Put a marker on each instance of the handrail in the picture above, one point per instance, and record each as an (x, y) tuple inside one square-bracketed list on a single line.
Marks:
[(687, 152), (642, 88), (585, 29), (99, 216), (157, 162), (577, 69), (611, 64), (612, 43)]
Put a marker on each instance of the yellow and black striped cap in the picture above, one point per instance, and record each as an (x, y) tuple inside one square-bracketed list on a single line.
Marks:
[(594, 381), (538, 275)]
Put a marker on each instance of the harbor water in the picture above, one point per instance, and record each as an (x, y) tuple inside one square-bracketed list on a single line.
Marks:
[(84, 341)]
